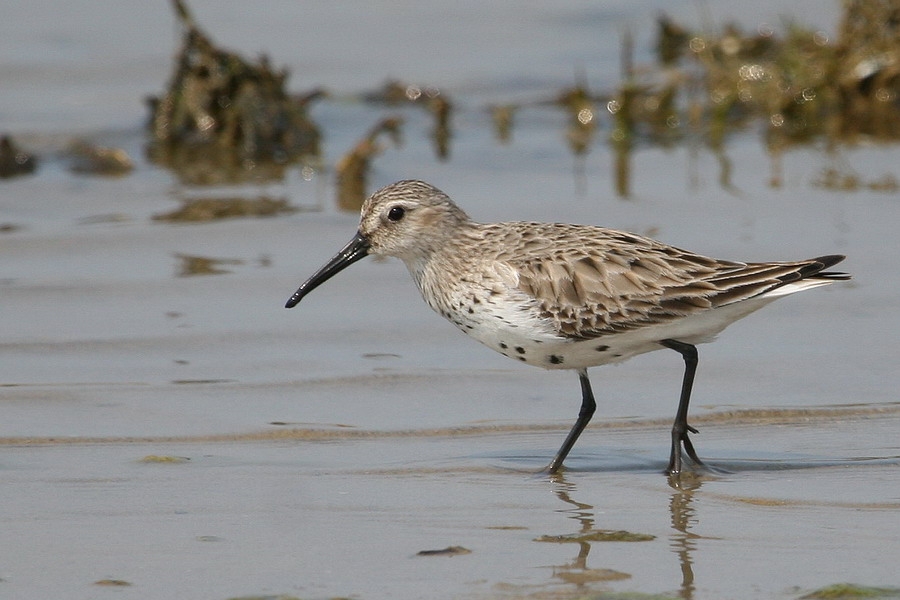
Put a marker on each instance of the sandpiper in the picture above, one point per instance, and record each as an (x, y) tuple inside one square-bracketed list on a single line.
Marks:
[(567, 296)]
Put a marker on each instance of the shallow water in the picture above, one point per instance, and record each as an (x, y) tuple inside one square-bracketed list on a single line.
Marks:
[(327, 445)]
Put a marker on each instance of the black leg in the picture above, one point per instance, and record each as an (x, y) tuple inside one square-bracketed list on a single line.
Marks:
[(680, 428), (588, 406)]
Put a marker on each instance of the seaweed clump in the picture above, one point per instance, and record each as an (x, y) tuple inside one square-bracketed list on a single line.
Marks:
[(13, 160), (226, 120), (352, 171), (202, 210), (396, 93), (798, 88), (851, 591), (800, 84), (90, 159)]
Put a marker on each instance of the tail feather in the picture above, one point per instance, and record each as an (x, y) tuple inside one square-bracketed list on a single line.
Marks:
[(804, 275), (813, 269)]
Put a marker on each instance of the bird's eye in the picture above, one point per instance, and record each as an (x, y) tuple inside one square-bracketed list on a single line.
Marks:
[(396, 213)]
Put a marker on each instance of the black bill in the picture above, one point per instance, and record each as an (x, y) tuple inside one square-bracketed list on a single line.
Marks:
[(356, 249)]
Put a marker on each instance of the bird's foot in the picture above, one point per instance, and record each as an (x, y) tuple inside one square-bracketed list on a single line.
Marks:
[(680, 438)]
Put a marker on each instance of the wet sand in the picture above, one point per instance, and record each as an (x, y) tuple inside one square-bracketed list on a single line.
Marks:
[(164, 436), (347, 515)]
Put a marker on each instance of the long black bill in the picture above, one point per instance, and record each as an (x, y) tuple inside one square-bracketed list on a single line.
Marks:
[(356, 249)]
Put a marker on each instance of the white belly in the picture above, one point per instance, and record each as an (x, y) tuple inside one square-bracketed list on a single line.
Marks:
[(530, 340)]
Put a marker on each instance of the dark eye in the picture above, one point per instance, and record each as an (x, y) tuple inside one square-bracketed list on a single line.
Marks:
[(396, 213)]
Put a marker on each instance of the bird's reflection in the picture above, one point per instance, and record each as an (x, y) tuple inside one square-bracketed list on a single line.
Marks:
[(577, 572), (682, 540), (683, 517), (581, 512)]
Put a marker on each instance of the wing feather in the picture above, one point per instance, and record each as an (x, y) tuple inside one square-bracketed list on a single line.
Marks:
[(590, 281)]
